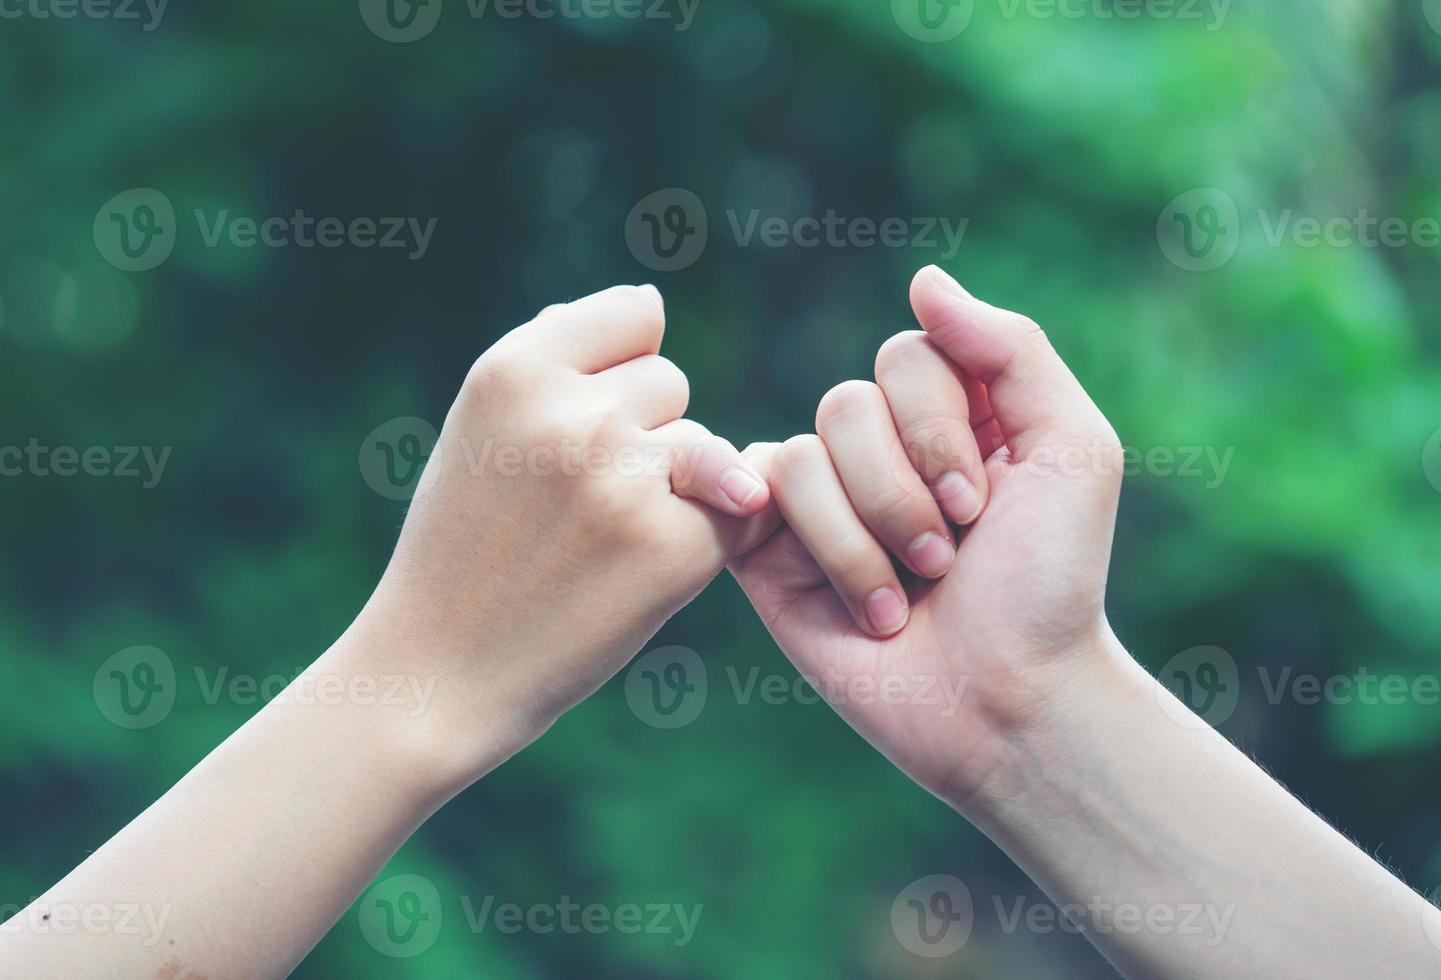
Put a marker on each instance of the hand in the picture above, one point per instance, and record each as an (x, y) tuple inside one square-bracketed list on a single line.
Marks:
[(567, 512), (980, 414)]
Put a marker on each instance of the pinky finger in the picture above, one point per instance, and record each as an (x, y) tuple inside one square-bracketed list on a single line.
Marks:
[(707, 468)]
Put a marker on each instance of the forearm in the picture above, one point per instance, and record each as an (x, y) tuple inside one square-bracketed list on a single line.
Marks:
[(1181, 856), (248, 860)]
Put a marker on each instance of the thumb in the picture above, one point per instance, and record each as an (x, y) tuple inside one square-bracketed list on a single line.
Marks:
[(1036, 399)]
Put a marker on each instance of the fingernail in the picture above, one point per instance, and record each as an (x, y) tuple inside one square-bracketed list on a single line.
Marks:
[(931, 555), (958, 497), (740, 486), (951, 285), (886, 611)]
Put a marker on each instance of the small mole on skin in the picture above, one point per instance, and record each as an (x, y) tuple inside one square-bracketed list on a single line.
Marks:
[(46, 917)]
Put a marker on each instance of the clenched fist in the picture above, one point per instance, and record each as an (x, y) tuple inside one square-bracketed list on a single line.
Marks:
[(568, 510)]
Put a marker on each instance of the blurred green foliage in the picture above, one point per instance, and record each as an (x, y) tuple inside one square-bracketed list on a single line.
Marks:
[(529, 140)]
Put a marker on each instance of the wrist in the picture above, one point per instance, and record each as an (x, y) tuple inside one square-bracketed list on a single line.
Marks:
[(1061, 702), (434, 728)]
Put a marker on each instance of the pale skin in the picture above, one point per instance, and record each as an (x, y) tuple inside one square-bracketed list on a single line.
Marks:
[(1098, 783), (520, 594)]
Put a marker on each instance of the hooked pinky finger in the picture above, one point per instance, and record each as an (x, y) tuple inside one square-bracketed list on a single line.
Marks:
[(710, 469)]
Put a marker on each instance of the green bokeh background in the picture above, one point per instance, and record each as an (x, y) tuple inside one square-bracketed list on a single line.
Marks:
[(1062, 139)]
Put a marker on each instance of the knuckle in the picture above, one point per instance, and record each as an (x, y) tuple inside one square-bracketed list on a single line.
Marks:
[(844, 399), (642, 303), (501, 374), (675, 379), (898, 350), (934, 446), (797, 455), (899, 508), (1029, 331), (1110, 450), (857, 564)]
